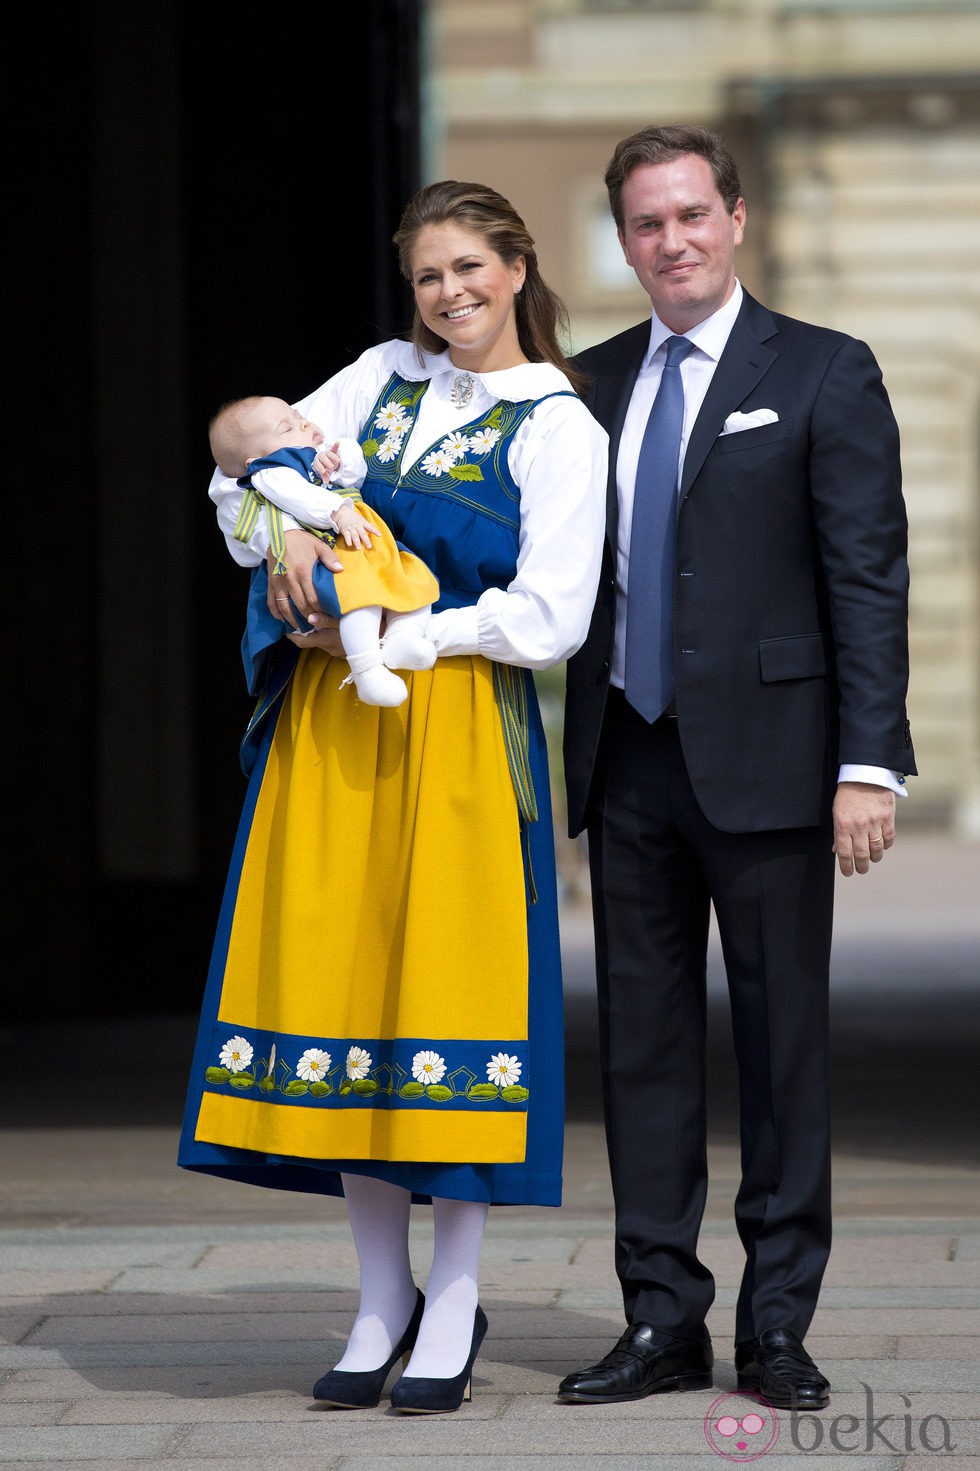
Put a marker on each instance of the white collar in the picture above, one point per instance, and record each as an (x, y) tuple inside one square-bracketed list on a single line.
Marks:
[(710, 336), (523, 381)]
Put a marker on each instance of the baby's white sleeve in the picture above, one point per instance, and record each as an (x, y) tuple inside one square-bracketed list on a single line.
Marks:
[(353, 468)]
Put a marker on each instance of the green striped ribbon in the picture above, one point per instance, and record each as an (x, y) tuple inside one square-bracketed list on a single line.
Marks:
[(248, 514), (510, 690)]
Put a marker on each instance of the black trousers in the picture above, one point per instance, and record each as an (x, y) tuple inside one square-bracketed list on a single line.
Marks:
[(657, 867)]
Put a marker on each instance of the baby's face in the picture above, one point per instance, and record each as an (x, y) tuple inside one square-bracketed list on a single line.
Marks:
[(275, 424)]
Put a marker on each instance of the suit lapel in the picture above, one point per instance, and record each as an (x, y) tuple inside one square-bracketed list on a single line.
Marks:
[(744, 361), (613, 390)]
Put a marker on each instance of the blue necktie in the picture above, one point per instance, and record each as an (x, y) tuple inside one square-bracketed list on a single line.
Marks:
[(650, 596)]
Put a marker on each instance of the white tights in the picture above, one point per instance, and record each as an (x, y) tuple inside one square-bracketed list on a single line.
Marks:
[(379, 1218)]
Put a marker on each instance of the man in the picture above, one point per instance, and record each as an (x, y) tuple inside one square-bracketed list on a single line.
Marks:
[(735, 718)]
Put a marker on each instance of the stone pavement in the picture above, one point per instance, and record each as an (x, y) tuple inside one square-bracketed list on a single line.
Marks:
[(158, 1319)]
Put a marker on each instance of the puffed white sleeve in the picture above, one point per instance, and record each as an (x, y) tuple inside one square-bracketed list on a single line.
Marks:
[(559, 460), (353, 466), (341, 405)]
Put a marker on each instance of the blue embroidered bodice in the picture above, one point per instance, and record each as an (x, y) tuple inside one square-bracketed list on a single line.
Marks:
[(458, 506)]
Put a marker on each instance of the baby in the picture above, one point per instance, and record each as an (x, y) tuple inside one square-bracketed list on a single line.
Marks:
[(270, 449)]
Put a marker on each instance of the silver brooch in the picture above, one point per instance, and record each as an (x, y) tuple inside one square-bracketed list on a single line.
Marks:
[(462, 390)]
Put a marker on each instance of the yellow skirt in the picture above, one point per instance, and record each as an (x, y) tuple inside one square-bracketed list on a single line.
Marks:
[(376, 986), (386, 575)]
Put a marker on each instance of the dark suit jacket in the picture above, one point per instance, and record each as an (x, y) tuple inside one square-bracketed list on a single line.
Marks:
[(791, 590)]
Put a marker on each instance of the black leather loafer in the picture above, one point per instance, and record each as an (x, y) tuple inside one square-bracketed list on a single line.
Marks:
[(643, 1362), (777, 1366)]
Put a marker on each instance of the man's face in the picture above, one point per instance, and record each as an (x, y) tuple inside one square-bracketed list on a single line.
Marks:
[(680, 239)]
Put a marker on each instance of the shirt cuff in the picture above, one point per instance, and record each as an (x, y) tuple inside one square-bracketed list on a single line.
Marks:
[(454, 631), (880, 776)]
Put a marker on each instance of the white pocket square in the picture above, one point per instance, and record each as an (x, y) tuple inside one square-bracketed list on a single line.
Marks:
[(752, 420)]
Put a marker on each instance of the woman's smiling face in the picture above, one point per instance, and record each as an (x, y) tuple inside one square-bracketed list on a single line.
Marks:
[(466, 294)]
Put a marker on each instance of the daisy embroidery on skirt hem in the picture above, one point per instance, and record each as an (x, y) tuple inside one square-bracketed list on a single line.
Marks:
[(370, 1072)]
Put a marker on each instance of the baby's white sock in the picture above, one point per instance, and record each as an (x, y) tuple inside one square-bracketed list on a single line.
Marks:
[(405, 645)]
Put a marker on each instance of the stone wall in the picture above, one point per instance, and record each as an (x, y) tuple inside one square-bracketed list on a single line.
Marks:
[(856, 124)]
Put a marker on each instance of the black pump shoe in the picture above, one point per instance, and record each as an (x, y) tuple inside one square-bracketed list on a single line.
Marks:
[(361, 1390), (438, 1396)]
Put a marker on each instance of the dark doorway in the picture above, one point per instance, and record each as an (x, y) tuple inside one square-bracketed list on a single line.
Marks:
[(199, 213)]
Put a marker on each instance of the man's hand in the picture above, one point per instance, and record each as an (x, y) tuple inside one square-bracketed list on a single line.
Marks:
[(864, 825), (303, 551)]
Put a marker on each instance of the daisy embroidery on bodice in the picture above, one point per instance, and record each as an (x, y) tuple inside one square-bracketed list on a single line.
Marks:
[(468, 455)]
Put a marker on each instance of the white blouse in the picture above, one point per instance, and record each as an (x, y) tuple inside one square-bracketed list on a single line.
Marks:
[(558, 458)]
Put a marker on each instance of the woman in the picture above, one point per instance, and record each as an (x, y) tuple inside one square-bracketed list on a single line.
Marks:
[(383, 1016)]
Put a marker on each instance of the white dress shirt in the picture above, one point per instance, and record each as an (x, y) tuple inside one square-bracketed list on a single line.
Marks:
[(709, 338)]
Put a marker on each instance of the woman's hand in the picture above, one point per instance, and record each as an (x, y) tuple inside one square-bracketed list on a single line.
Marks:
[(325, 636), (303, 551)]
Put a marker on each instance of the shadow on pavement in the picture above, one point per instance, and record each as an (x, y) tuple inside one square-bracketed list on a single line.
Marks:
[(905, 1075)]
